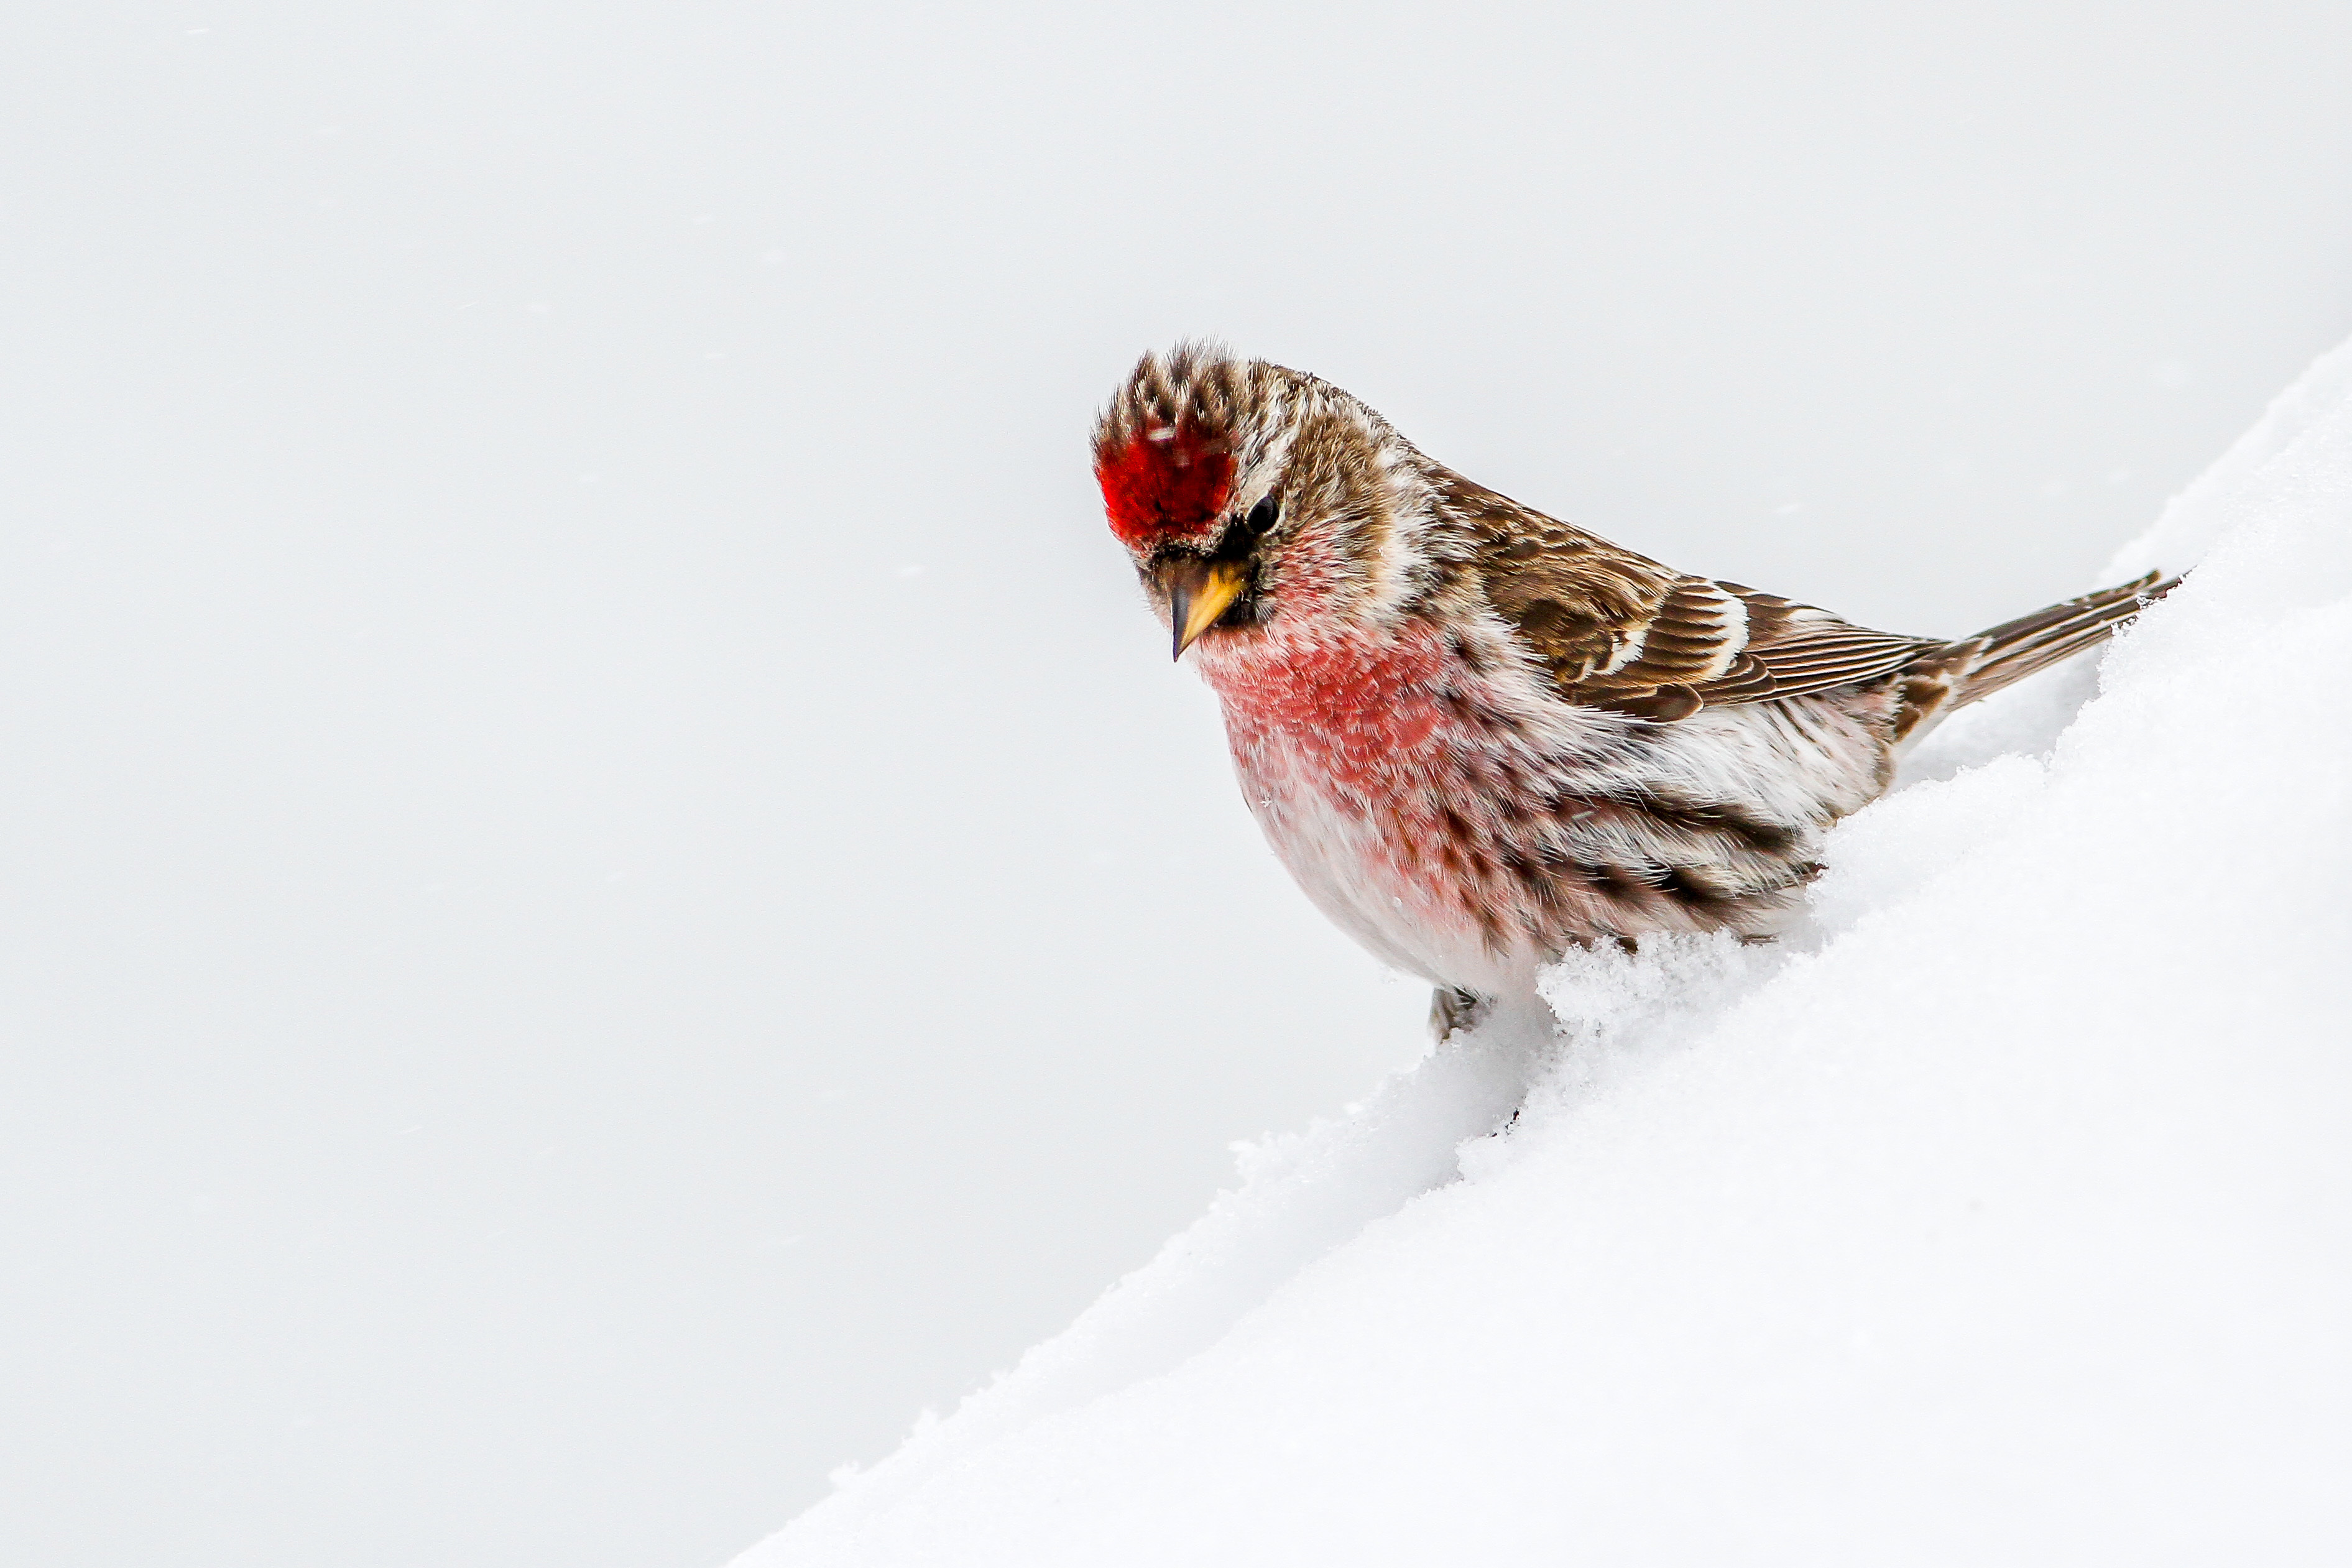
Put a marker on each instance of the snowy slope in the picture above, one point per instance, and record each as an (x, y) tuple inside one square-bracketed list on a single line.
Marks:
[(2003, 1217)]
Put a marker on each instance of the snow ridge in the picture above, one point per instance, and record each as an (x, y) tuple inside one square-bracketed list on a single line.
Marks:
[(2004, 1213)]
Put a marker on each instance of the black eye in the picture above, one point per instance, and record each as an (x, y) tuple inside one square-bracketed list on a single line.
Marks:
[(1261, 518)]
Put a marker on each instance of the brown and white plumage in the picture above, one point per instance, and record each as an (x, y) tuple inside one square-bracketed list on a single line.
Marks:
[(1478, 735)]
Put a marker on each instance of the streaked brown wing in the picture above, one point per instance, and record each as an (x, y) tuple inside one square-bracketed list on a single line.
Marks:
[(1620, 631), (1576, 600), (1802, 648), (1718, 643)]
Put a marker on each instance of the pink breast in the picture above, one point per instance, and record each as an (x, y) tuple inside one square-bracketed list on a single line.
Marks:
[(1358, 714), (1361, 766)]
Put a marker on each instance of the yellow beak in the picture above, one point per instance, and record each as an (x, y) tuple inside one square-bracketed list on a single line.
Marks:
[(1198, 593)]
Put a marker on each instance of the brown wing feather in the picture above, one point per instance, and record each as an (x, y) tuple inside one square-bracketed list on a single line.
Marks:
[(1577, 600), (1619, 630)]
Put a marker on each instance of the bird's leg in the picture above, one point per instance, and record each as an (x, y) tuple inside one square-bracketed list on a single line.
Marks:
[(1451, 1009)]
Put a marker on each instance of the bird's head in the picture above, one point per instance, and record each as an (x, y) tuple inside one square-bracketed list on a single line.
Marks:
[(1246, 493)]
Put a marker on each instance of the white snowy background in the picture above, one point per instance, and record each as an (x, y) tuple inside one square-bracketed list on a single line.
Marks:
[(603, 886)]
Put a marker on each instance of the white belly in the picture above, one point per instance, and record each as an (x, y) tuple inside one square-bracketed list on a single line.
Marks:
[(1344, 863)]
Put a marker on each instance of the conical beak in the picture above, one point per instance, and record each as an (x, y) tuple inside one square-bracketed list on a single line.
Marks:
[(1198, 593)]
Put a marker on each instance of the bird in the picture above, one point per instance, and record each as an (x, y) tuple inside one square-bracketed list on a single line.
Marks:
[(1479, 737)]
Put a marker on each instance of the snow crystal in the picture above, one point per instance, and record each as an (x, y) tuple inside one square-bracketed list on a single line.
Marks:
[(2004, 1213)]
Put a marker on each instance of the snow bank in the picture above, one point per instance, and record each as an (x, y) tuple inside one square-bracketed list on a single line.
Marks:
[(2003, 1216)]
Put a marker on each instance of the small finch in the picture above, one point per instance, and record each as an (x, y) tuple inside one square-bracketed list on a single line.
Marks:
[(1478, 736)]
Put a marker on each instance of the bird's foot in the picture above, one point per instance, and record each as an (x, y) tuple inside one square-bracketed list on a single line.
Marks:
[(1452, 1009)]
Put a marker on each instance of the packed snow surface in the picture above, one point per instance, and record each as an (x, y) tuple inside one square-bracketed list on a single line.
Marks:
[(2002, 1216)]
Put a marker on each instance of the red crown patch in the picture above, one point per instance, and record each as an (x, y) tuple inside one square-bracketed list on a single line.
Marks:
[(1167, 483)]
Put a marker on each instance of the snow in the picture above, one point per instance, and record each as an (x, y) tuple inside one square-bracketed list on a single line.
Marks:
[(2001, 1215)]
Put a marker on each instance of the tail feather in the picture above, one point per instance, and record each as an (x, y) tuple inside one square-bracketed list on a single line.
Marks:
[(1952, 677), (2015, 649)]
